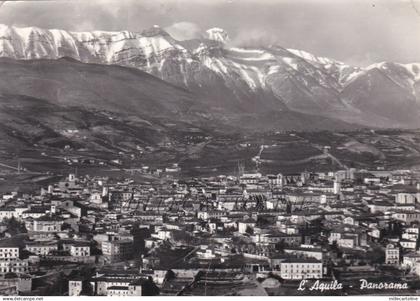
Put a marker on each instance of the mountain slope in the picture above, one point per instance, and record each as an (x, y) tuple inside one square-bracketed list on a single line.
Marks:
[(115, 89), (55, 109)]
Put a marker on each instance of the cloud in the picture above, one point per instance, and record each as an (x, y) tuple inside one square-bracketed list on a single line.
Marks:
[(184, 31), (254, 38)]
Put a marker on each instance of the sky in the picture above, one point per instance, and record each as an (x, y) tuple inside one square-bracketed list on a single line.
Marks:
[(358, 32)]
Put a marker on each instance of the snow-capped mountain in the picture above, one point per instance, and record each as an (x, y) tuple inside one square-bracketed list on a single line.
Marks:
[(236, 78), (217, 34)]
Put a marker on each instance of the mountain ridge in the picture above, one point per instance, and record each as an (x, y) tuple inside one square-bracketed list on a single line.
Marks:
[(245, 79)]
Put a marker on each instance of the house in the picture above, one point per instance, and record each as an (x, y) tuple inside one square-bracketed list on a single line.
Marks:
[(35, 212), (163, 234), (80, 249), (251, 178), (75, 287), (410, 261), (406, 216), (410, 236), (117, 250), (133, 289), (379, 205), (243, 226), (118, 283), (14, 265), (206, 253), (117, 291), (96, 198), (275, 181), (273, 238), (7, 252), (392, 255), (8, 213), (48, 223), (151, 242), (405, 198), (42, 247), (205, 215), (347, 241), (311, 252), (408, 244)]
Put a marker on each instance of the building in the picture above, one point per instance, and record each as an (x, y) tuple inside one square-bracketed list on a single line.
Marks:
[(132, 289), (117, 250), (118, 284), (251, 178), (408, 244), (405, 198), (410, 261), (407, 216), (42, 248), (79, 249), (75, 287), (392, 255), (14, 265), (337, 187), (96, 198), (312, 252), (48, 223), (8, 213), (275, 181), (300, 268), (7, 252), (243, 226)]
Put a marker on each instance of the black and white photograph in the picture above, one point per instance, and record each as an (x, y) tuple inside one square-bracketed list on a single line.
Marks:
[(186, 148)]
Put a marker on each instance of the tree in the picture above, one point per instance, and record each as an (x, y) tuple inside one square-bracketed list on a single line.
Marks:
[(262, 221), (376, 255), (249, 230), (336, 249), (14, 226), (87, 289), (149, 288), (280, 246), (170, 275)]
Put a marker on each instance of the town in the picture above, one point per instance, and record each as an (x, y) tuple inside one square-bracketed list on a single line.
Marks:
[(243, 234)]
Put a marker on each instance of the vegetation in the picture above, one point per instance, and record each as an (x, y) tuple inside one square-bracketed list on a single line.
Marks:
[(14, 226)]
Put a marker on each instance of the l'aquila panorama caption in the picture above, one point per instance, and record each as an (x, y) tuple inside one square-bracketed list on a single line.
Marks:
[(363, 285)]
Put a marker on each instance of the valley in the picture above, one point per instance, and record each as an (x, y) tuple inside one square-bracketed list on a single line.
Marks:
[(286, 152)]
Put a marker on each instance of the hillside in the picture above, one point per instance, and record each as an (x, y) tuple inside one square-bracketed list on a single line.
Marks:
[(51, 110)]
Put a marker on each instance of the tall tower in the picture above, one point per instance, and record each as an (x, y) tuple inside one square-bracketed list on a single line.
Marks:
[(19, 167), (337, 187), (105, 191), (241, 169), (280, 180)]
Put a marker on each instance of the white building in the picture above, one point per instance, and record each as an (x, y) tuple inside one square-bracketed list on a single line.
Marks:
[(117, 249), (392, 255), (9, 252), (300, 268), (410, 261), (80, 250), (14, 265), (244, 225), (75, 287), (42, 248), (406, 216), (405, 198)]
